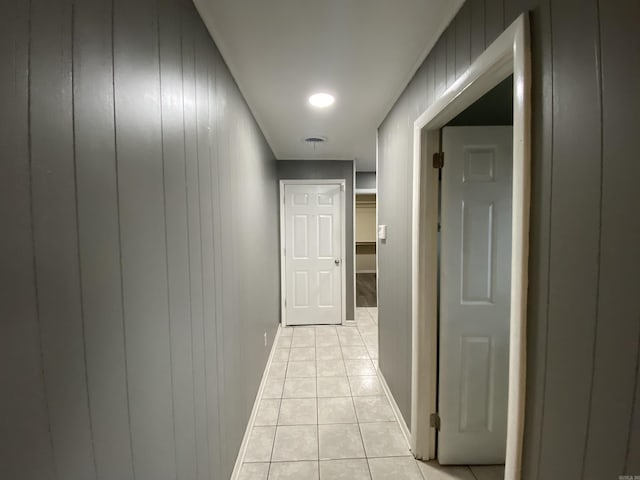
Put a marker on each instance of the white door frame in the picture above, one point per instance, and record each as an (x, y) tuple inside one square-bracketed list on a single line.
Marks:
[(508, 54), (283, 241)]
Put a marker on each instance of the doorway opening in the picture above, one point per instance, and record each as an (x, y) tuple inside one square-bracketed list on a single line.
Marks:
[(465, 371), (474, 248), (366, 234)]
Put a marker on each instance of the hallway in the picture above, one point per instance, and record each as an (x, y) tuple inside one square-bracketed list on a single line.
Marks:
[(324, 414)]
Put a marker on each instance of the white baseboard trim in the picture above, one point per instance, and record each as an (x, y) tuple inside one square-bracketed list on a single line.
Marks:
[(256, 404), (396, 410)]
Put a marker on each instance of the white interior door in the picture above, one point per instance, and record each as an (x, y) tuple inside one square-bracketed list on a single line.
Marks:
[(313, 254), (474, 294)]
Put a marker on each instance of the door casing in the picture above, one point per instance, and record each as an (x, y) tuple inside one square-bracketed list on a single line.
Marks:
[(283, 239), (508, 54)]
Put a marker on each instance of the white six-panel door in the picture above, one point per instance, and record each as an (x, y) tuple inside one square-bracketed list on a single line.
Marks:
[(313, 254), (474, 294)]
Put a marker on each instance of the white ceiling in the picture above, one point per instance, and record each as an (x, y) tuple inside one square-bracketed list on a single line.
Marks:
[(363, 52)]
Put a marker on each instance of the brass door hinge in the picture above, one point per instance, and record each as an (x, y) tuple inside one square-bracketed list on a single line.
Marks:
[(434, 421), (438, 160)]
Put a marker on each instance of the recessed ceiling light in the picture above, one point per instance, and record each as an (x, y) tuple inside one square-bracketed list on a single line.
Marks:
[(321, 100)]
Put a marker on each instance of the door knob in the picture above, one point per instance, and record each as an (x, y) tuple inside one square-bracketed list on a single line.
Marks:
[(336, 261)]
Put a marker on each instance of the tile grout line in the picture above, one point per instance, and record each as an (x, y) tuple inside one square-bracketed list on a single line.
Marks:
[(275, 432), (315, 353), (356, 414)]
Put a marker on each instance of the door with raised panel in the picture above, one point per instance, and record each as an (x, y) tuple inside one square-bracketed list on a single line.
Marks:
[(474, 294), (313, 254)]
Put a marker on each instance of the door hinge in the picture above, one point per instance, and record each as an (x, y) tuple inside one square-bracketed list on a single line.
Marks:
[(434, 421), (285, 303), (438, 160)]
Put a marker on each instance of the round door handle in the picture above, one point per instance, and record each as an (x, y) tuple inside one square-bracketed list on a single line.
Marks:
[(336, 261)]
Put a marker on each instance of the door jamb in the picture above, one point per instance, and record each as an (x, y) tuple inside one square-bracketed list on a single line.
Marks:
[(508, 54), (283, 239)]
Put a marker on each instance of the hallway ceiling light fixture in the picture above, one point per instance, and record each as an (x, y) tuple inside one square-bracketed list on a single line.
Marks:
[(321, 100)]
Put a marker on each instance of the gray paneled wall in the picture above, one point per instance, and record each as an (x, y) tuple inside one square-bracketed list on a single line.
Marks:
[(366, 180), (332, 170), (584, 320), (134, 182)]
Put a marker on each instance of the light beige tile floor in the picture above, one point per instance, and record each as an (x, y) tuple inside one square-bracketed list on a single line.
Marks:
[(324, 415)]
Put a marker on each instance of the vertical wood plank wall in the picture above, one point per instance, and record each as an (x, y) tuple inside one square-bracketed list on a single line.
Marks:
[(584, 320), (128, 249)]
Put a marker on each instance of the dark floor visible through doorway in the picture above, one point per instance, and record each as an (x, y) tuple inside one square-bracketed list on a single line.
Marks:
[(366, 290)]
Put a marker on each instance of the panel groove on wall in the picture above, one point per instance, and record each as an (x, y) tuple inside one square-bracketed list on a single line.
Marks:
[(120, 259), (77, 235), (55, 236), (27, 452), (193, 235)]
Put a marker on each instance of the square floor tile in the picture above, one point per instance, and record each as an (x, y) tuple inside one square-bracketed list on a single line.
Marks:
[(368, 329), (325, 330), (295, 443), (359, 367), (281, 355), (304, 331), (277, 369), (351, 340), (286, 331), (356, 469), (346, 332), (340, 441), (336, 410), (354, 352), (299, 388), (303, 341), (434, 471), (327, 341), (370, 340), (254, 471), (373, 409), (273, 388), (260, 444), (298, 411), (488, 472), (300, 354), (366, 385), (331, 368), (395, 468), (328, 353), (284, 342), (301, 369), (373, 352), (384, 440), (268, 412), (365, 322), (293, 471), (333, 387)]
